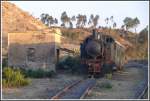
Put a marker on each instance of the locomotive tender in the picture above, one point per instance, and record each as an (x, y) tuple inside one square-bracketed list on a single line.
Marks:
[(100, 55)]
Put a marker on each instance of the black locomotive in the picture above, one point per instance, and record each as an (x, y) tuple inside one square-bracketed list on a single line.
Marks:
[(96, 53)]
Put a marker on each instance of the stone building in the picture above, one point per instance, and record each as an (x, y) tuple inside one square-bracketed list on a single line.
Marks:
[(33, 49)]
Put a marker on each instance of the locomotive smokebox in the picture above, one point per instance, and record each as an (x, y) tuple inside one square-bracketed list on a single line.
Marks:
[(93, 48)]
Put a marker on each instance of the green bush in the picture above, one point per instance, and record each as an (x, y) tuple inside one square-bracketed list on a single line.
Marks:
[(38, 73), (106, 84), (13, 78), (5, 62), (71, 64)]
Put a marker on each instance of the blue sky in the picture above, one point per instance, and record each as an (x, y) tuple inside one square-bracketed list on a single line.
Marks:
[(119, 9)]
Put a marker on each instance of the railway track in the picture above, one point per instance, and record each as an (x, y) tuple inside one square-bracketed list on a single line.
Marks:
[(142, 88), (76, 90), (80, 88)]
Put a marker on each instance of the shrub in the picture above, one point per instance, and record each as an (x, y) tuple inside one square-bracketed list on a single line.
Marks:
[(71, 64), (106, 84), (38, 73), (5, 62), (70, 34), (107, 68), (109, 76), (13, 78)]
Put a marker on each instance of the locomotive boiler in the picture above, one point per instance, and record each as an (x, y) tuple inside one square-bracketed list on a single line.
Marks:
[(96, 54)]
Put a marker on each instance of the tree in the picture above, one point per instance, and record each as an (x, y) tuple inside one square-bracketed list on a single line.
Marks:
[(71, 25), (43, 17), (128, 22), (62, 25), (92, 16), (65, 19), (90, 22), (73, 18), (112, 19), (50, 20), (136, 22), (143, 35), (122, 27), (131, 23), (93, 21), (114, 25), (56, 21), (84, 20), (107, 20), (47, 21), (81, 21)]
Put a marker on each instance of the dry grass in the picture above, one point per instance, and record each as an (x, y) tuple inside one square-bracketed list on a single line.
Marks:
[(40, 88)]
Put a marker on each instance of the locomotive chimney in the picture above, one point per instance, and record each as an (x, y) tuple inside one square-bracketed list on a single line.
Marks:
[(94, 33)]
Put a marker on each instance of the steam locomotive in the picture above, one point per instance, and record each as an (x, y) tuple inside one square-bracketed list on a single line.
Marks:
[(97, 54)]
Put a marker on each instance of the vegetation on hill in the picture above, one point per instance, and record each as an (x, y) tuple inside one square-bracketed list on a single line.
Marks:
[(74, 28), (140, 49), (15, 19)]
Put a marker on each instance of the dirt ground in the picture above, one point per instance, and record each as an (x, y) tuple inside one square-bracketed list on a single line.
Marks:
[(40, 88), (122, 86)]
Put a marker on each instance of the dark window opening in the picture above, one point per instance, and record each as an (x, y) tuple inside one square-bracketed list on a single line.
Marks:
[(31, 54)]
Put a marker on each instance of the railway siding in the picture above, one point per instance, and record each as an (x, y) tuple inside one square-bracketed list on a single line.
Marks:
[(77, 90)]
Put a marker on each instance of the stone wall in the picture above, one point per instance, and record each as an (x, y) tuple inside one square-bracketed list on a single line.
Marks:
[(33, 49)]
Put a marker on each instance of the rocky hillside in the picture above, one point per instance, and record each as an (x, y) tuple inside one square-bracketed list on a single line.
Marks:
[(14, 19)]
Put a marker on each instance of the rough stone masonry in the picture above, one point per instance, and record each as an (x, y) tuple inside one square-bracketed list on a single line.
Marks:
[(33, 49)]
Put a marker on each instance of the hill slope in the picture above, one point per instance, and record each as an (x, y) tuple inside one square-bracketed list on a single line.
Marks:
[(14, 19)]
